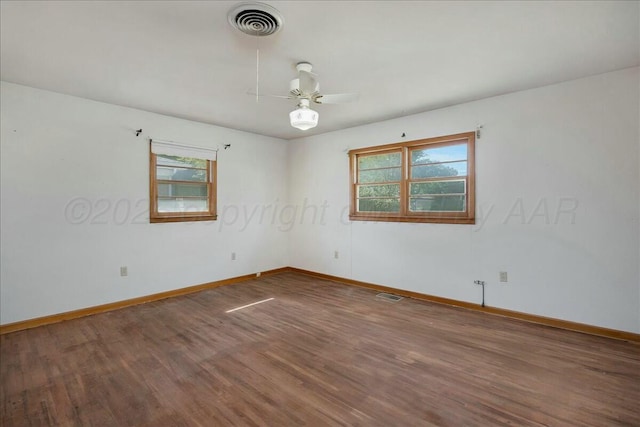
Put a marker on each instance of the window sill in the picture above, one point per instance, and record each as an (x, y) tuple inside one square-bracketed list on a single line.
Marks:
[(416, 219), (161, 219)]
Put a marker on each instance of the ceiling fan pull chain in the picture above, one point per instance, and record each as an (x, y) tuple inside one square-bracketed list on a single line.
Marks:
[(257, 68)]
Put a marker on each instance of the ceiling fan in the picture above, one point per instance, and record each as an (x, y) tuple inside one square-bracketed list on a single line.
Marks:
[(305, 89)]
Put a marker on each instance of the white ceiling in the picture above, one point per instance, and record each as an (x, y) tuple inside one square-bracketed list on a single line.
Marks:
[(183, 59)]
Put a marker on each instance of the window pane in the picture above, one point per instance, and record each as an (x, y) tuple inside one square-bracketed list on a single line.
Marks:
[(175, 161), (448, 153), (437, 204), (391, 190), (380, 175), (183, 205), (439, 187), (378, 205), (379, 161), (180, 174), (439, 170), (183, 190)]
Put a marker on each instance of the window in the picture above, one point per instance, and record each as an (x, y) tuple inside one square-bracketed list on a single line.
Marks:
[(182, 183), (429, 180)]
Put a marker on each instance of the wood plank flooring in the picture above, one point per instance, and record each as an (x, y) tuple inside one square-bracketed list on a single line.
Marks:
[(318, 354)]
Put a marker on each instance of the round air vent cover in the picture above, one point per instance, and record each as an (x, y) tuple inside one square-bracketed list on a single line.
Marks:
[(255, 19)]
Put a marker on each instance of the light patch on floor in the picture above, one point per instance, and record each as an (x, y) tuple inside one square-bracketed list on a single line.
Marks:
[(248, 305)]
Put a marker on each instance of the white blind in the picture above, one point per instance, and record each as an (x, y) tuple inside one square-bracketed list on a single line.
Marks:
[(170, 148)]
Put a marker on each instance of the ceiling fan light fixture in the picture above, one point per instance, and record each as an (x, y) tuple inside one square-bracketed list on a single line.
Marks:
[(303, 118)]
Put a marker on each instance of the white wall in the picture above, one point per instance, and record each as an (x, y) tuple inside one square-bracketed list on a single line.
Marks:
[(552, 148), (57, 150), (543, 152)]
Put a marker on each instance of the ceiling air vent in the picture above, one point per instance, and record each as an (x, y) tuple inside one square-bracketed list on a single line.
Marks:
[(255, 19)]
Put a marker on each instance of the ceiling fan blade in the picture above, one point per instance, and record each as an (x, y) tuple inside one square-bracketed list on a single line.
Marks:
[(336, 98), (270, 96), (308, 83)]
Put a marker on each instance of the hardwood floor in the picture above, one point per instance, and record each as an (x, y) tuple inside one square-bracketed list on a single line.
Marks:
[(318, 354)]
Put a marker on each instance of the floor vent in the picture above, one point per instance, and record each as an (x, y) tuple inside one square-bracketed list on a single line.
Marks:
[(389, 297)]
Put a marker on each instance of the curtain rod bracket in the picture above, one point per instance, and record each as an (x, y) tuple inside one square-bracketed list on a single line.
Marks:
[(138, 132)]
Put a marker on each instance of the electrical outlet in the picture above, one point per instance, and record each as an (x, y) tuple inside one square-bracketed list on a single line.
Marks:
[(336, 255), (503, 276), (233, 256), (124, 271), (258, 274)]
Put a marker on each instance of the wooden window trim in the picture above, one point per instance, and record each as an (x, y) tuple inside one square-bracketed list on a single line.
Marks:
[(161, 217), (467, 217)]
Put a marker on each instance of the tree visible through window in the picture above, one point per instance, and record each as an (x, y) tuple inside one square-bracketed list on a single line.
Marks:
[(379, 176), (429, 180)]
